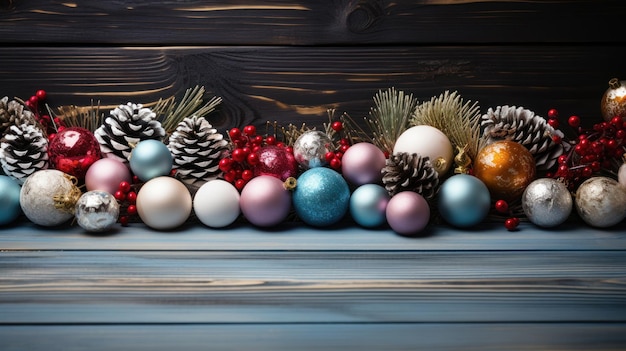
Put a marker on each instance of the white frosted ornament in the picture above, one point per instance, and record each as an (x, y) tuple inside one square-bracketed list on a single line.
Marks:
[(164, 203), (427, 141), (216, 203), (601, 202), (46, 197)]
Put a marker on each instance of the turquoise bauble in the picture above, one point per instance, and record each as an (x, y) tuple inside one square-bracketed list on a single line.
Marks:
[(368, 204), (464, 200), (321, 197), (150, 159), (9, 200)]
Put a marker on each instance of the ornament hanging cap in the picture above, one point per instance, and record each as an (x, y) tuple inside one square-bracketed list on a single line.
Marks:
[(290, 183), (67, 202), (463, 160)]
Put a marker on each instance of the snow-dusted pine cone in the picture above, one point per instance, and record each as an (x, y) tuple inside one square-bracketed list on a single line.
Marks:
[(197, 148), (126, 126), (12, 113), (23, 150), (523, 126), (410, 172)]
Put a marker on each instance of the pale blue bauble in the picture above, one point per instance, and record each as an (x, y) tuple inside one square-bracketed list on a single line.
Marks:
[(10, 207), (368, 204), (321, 197), (150, 159), (464, 200)]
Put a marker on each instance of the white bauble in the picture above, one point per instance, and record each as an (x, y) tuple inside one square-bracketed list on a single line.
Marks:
[(164, 203), (38, 193), (216, 203), (428, 142)]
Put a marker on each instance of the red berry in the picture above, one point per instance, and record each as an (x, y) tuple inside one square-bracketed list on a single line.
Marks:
[(587, 172), (124, 187), (131, 210), (270, 140), (562, 159), (247, 175), (337, 126), (239, 184), (132, 197), (553, 122), (556, 139), (280, 144), (41, 95), (502, 206), (257, 140), (249, 130), (511, 223), (33, 100), (553, 113), (239, 155), (252, 158), (329, 156), (616, 121), (119, 195), (574, 121), (234, 133), (344, 141), (595, 166), (289, 149), (344, 148), (230, 176), (620, 134), (124, 221), (335, 163), (339, 155), (225, 164), (136, 179)]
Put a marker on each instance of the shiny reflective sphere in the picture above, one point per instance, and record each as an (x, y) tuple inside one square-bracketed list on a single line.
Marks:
[(321, 197), (547, 202), (464, 200), (9, 200), (97, 211), (311, 147), (368, 204), (150, 159)]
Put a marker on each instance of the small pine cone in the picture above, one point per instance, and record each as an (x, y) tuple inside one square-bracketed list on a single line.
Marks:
[(23, 151), (197, 149), (410, 172), (13, 113), (126, 126), (523, 126)]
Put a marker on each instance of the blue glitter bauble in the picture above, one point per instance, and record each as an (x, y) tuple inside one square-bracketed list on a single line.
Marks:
[(464, 200), (321, 197), (10, 207), (150, 159), (368, 204)]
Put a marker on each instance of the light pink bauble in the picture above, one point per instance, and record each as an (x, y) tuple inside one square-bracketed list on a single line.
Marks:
[(164, 203), (106, 174), (407, 213), (362, 164), (264, 201)]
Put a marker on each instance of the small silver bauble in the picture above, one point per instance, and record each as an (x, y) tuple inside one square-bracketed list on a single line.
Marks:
[(601, 202), (547, 202), (97, 211), (311, 147)]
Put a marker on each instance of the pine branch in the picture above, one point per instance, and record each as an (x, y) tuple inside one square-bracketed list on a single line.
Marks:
[(390, 117), (170, 113), (88, 117)]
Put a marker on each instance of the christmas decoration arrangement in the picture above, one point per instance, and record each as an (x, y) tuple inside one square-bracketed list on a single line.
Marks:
[(407, 165)]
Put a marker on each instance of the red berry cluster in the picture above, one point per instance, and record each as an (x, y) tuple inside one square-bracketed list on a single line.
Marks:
[(334, 157), (126, 195), (36, 104), (238, 166), (510, 223), (593, 150)]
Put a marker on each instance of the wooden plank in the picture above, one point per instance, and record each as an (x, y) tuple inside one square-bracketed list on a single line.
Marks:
[(309, 22), (298, 84), (317, 287)]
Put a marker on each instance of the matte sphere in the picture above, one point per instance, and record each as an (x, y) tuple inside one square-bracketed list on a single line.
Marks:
[(368, 205), (9, 200), (362, 164), (428, 142), (264, 201), (216, 203), (97, 211), (37, 197), (601, 202), (407, 213), (547, 202), (106, 174), (311, 147), (506, 167), (463, 200), (150, 159), (321, 197), (164, 203)]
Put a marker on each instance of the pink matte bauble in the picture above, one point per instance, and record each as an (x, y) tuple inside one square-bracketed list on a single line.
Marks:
[(106, 174), (277, 162), (407, 213), (73, 150), (264, 201), (362, 164)]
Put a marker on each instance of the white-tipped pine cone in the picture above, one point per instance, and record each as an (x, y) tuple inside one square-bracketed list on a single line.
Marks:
[(410, 172), (523, 126), (126, 126), (197, 149), (23, 150)]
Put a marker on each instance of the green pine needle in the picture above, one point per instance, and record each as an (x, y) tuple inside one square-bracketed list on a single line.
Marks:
[(390, 117), (170, 113)]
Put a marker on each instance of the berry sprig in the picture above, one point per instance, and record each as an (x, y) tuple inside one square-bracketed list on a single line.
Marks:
[(334, 157), (37, 105), (126, 196), (512, 222)]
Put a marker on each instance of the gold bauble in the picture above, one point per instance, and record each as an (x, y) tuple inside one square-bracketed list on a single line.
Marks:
[(614, 100), (506, 167)]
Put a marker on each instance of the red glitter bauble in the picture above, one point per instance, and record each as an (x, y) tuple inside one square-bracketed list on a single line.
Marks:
[(277, 162), (73, 150)]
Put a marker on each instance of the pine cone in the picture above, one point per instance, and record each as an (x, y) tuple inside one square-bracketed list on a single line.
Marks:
[(410, 172), (13, 113), (23, 150), (523, 126), (197, 149), (126, 126)]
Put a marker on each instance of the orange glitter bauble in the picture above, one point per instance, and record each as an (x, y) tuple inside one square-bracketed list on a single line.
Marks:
[(506, 167)]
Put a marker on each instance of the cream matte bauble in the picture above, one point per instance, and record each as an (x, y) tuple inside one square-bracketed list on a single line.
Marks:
[(38, 193), (164, 203), (216, 203), (427, 141)]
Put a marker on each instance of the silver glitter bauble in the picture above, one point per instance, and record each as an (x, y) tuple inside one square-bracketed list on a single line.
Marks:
[(601, 202), (311, 147), (97, 211), (547, 202), (41, 195)]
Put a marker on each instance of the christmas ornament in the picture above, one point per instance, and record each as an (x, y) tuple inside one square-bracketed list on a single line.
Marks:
[(97, 211), (362, 163), (613, 101), (368, 204), (150, 159), (506, 167), (601, 202), (547, 202), (164, 203), (621, 175), (274, 161), (407, 213), (9, 200), (427, 141), (216, 203), (321, 197), (126, 126), (464, 200), (410, 172), (48, 197), (73, 150), (311, 147), (106, 174), (265, 201), (196, 148)]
